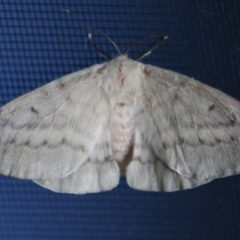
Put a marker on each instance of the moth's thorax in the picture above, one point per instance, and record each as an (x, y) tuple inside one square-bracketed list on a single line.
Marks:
[(121, 133), (123, 86), (121, 82), (122, 75)]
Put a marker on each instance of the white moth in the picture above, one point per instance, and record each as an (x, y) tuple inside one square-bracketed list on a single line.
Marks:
[(164, 130)]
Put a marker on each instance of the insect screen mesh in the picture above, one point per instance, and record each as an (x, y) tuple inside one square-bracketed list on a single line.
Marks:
[(43, 40)]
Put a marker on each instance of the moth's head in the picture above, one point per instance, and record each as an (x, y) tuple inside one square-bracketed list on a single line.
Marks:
[(124, 55), (122, 62)]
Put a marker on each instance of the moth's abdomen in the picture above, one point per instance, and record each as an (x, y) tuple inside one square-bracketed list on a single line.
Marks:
[(121, 132)]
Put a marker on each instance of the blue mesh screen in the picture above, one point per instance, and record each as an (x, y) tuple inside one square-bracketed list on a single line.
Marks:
[(43, 40)]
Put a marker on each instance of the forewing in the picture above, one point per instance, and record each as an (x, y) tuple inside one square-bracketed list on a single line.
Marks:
[(48, 133), (188, 134)]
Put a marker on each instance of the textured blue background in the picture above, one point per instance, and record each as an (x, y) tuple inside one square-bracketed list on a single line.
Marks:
[(40, 41)]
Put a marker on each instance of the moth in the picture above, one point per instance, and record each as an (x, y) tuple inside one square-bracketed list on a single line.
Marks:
[(164, 130)]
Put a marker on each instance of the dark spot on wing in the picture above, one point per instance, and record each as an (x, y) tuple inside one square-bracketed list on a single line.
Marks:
[(60, 86), (34, 110), (232, 138), (121, 104), (200, 140), (63, 141), (100, 70), (147, 72), (233, 121), (210, 108)]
